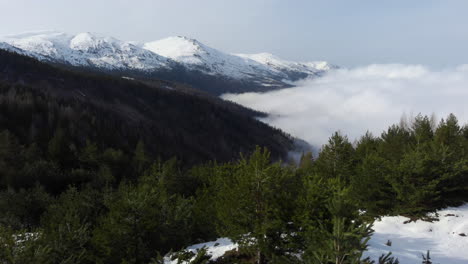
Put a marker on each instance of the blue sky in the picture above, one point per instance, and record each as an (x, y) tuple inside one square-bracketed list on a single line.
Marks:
[(344, 32)]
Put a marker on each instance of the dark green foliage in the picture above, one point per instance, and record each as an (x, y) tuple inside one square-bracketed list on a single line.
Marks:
[(87, 175), (336, 158), (334, 231), (411, 169), (63, 121), (22, 247), (256, 197), (68, 224), (22, 209), (142, 218)]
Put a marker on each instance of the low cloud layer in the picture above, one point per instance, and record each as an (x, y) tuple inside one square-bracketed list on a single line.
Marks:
[(354, 101)]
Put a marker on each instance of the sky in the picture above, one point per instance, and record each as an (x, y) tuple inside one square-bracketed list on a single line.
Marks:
[(343, 32)]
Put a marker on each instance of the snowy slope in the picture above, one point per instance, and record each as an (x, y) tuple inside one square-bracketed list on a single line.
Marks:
[(198, 56), (163, 56), (291, 68), (86, 49), (8, 47), (445, 238), (215, 249)]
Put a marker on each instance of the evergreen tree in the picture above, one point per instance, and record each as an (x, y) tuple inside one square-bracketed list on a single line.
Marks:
[(340, 238), (67, 226), (336, 159), (369, 184), (422, 130), (251, 204), (140, 160), (142, 220), (21, 246)]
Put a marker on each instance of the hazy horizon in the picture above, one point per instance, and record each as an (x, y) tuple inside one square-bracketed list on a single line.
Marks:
[(345, 33)]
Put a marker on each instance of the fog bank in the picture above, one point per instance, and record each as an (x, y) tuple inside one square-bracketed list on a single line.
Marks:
[(354, 101)]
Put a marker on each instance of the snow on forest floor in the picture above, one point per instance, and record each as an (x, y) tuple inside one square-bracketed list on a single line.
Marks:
[(215, 249), (446, 239)]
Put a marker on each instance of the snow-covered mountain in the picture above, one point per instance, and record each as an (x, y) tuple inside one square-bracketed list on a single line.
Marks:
[(175, 58), (86, 49), (6, 46), (197, 56), (293, 70)]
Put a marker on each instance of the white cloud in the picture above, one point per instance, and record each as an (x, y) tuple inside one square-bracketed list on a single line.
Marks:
[(366, 98)]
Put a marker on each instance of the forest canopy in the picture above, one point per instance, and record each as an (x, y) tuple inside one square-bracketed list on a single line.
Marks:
[(321, 209)]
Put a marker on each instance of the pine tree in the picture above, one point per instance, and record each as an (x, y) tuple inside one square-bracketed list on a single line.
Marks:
[(143, 219), (336, 159), (21, 246), (140, 160), (340, 238), (422, 130), (252, 199), (67, 229), (369, 184), (306, 161)]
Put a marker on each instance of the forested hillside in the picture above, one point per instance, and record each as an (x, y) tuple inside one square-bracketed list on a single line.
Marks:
[(50, 119), (319, 211)]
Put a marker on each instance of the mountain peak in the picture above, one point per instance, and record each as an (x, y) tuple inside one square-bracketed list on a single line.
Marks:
[(89, 49), (91, 42), (264, 58), (178, 48), (86, 49)]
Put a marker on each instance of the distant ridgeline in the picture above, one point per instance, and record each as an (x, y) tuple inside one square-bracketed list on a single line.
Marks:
[(50, 118), (179, 59)]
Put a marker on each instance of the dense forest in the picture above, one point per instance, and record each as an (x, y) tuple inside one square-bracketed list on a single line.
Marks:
[(119, 207), (99, 169), (40, 102)]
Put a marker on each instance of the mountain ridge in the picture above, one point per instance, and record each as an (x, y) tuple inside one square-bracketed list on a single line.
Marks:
[(39, 99), (178, 59)]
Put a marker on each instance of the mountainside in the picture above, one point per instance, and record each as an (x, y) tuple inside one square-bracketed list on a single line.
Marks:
[(195, 55), (176, 59), (293, 70), (37, 100), (86, 49)]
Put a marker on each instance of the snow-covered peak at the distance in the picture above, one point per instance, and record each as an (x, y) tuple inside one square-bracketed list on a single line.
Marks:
[(8, 47), (291, 67), (87, 42), (86, 49), (93, 50), (46, 43), (179, 48), (195, 55)]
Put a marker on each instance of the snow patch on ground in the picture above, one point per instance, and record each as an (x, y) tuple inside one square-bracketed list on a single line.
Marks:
[(446, 239), (215, 249)]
